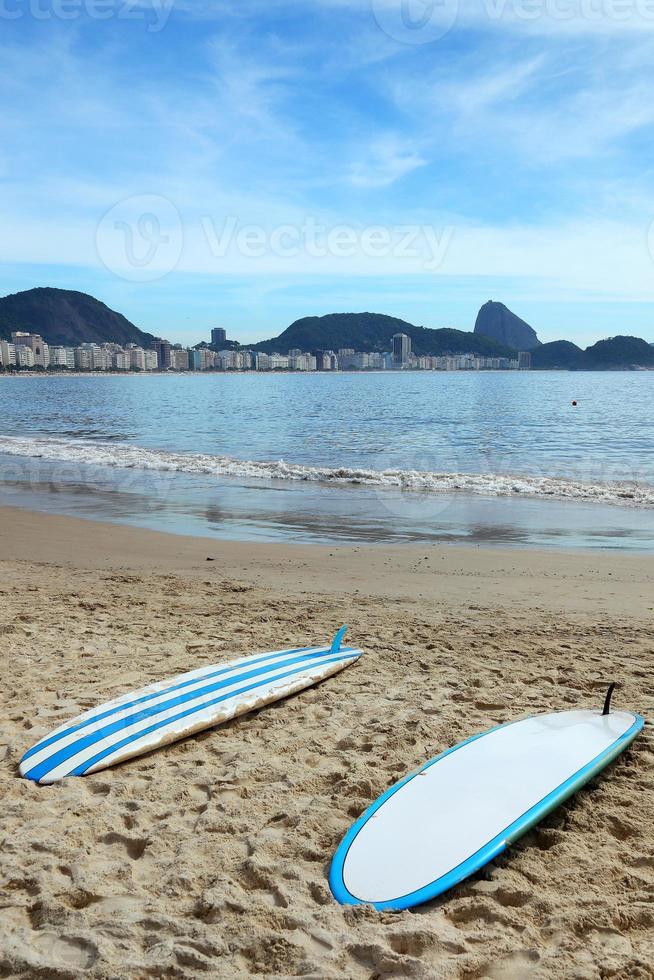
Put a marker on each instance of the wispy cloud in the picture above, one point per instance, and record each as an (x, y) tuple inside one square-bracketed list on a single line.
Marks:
[(531, 138), (388, 159)]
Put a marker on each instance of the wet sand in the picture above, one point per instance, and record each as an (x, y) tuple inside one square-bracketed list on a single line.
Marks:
[(210, 857)]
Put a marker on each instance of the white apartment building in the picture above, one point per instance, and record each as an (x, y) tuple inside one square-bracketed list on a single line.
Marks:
[(121, 360), (230, 360), (62, 357), (83, 359), (202, 359), (179, 359), (136, 358), (235, 360), (260, 361), (302, 362), (7, 354), (151, 360), (24, 356), (36, 344), (91, 357), (278, 362)]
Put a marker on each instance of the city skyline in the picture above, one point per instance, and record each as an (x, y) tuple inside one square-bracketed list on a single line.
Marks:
[(29, 351)]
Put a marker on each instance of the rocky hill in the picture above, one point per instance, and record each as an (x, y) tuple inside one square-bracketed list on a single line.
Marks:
[(63, 316), (559, 354), (496, 321)]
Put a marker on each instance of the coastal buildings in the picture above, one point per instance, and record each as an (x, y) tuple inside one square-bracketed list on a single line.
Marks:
[(28, 351), (142, 360), (33, 342)]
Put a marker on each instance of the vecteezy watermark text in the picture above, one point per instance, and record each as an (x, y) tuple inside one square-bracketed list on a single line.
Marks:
[(144, 237), (426, 21), (319, 241), (565, 10), (154, 13)]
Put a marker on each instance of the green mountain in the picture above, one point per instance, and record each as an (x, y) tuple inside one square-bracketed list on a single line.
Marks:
[(606, 355), (63, 316), (619, 352), (560, 354), (495, 320), (373, 332)]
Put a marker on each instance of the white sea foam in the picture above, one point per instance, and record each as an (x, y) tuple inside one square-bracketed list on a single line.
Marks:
[(126, 456)]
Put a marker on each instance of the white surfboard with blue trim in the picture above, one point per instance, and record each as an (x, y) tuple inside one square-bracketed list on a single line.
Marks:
[(447, 820), (165, 712)]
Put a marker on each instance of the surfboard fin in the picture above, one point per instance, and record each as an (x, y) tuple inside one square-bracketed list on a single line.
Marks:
[(607, 700), (336, 642)]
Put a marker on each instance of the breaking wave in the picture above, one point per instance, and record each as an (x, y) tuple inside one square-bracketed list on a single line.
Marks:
[(125, 456)]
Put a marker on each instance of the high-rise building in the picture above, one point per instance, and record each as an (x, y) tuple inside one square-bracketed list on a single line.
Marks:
[(7, 354), (260, 361), (524, 360), (326, 360), (36, 344), (137, 358), (162, 348), (218, 336), (120, 360), (401, 350), (179, 359), (376, 361), (24, 356), (301, 362), (62, 357)]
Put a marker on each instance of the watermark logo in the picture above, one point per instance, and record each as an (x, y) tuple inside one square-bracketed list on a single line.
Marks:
[(412, 486), (415, 21), (153, 13), (562, 11), (140, 238), (650, 240)]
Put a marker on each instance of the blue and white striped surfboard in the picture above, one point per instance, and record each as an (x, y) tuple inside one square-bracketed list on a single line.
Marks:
[(141, 721)]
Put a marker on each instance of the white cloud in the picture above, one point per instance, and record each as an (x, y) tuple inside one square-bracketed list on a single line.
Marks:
[(387, 160)]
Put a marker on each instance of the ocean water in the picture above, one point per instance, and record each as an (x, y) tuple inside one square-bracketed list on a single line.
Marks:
[(499, 457)]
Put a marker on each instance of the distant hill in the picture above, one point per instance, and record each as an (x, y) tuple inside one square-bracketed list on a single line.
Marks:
[(63, 316), (373, 332), (605, 355), (619, 352), (495, 320), (559, 354)]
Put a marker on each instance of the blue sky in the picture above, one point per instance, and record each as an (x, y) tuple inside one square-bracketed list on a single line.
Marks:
[(200, 163)]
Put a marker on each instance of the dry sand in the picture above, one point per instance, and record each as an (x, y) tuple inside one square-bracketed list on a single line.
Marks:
[(210, 857)]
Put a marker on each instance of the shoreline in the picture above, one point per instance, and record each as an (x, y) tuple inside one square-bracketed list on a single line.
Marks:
[(556, 579), (635, 369)]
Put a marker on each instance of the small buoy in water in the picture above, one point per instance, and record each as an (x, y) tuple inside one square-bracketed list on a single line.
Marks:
[(574, 404)]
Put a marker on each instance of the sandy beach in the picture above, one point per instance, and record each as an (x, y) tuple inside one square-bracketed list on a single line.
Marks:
[(210, 857)]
